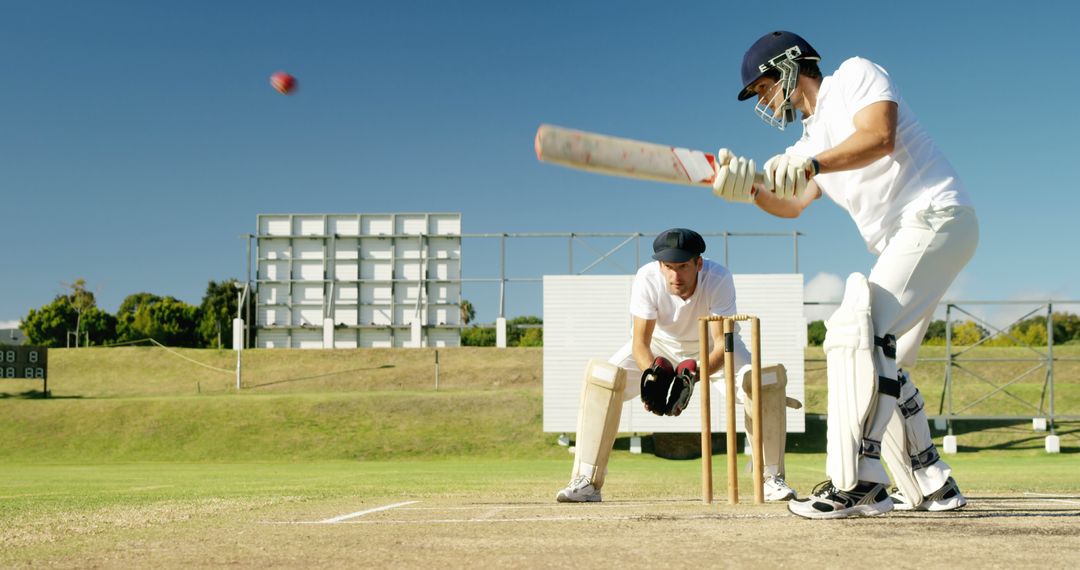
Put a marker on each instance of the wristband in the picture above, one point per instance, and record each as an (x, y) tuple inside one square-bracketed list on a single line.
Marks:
[(817, 165)]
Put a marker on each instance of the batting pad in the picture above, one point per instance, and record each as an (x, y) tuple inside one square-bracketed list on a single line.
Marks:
[(853, 395), (774, 404), (598, 419), (908, 445)]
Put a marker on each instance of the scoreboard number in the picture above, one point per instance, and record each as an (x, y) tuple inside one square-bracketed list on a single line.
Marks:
[(30, 362)]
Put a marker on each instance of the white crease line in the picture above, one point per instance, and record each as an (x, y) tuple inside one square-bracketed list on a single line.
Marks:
[(547, 519), (362, 513)]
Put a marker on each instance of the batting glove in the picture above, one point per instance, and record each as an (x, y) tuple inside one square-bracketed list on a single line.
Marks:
[(734, 180), (788, 174)]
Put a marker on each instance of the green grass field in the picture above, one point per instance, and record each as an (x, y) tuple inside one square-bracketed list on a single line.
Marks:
[(142, 457)]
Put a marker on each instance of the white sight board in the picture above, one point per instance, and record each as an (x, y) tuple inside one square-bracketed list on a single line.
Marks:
[(358, 280), (588, 317)]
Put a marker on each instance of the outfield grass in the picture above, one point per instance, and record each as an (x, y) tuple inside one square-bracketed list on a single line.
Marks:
[(142, 455)]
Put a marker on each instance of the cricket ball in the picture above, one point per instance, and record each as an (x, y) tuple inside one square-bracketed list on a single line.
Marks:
[(283, 82)]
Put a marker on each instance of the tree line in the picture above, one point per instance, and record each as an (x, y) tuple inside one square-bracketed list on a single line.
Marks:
[(74, 319), (1031, 331)]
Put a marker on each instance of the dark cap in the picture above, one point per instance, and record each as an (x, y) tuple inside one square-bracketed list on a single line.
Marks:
[(677, 245)]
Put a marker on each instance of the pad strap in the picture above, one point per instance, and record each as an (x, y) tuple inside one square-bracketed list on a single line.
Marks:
[(911, 406), (888, 386), (925, 458), (887, 344)]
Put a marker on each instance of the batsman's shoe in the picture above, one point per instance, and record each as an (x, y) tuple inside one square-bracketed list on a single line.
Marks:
[(579, 490), (828, 502), (776, 489), (947, 498)]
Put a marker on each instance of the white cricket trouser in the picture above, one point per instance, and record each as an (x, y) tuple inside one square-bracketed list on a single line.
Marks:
[(919, 263), (675, 351)]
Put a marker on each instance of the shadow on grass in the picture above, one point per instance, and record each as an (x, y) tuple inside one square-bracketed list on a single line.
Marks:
[(317, 376), (35, 395), (1005, 435)]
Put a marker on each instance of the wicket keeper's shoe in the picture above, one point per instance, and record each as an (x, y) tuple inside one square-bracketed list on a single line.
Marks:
[(827, 502), (776, 489), (580, 490), (947, 498)]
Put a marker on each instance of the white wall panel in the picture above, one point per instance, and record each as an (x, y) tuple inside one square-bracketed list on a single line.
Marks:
[(587, 317), (271, 225), (346, 225), (309, 225)]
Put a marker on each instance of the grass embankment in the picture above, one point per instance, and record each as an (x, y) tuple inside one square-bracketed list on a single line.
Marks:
[(150, 404)]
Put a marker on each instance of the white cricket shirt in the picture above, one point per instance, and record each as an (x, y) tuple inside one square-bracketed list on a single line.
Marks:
[(914, 177), (676, 319)]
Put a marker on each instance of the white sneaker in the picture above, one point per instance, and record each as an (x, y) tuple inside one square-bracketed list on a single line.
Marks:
[(579, 490), (827, 502), (776, 489), (947, 498)]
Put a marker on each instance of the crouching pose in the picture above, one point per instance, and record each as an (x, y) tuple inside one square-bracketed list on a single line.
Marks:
[(863, 148), (660, 363)]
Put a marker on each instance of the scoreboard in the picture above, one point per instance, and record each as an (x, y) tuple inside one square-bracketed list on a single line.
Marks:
[(30, 362)]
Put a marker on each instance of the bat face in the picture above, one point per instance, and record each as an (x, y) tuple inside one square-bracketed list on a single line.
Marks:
[(623, 157)]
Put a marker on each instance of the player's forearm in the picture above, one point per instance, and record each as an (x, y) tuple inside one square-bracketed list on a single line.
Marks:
[(643, 355)]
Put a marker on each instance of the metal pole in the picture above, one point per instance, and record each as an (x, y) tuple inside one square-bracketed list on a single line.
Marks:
[(948, 367), (239, 349), (726, 261), (436, 370), (502, 276), (247, 340), (1050, 361), (570, 254), (795, 239)]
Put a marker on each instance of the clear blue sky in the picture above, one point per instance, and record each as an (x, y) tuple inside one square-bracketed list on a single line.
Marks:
[(140, 139)]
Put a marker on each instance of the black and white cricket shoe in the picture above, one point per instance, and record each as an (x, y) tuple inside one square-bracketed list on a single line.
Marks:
[(827, 502), (947, 498)]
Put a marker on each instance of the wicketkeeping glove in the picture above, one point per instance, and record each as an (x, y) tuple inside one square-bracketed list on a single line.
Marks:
[(666, 390)]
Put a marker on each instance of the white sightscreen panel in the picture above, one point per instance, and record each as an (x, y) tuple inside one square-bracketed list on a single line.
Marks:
[(443, 337), (444, 224), (587, 317), (345, 339), (375, 338), (376, 224), (444, 269), (274, 248), (274, 225), (308, 270), (408, 248), (272, 339), (273, 270), (376, 248), (444, 248), (411, 224), (344, 225), (346, 271), (307, 248), (309, 225), (307, 338), (273, 294), (443, 314), (346, 314), (347, 248), (305, 293)]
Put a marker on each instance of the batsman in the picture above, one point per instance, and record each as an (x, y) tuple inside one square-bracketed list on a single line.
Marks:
[(667, 298), (863, 148)]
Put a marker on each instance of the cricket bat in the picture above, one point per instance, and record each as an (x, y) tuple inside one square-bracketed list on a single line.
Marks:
[(616, 156)]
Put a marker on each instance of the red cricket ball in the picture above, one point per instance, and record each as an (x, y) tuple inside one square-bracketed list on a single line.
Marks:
[(283, 82)]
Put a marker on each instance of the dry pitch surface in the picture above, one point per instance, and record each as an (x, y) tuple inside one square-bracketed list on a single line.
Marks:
[(1028, 530)]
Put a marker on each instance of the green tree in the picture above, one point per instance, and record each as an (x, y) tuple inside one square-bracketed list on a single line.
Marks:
[(82, 301), (815, 333), (49, 325), (967, 333), (468, 312), (99, 326), (75, 313), (477, 336), (217, 310), (165, 319), (515, 333), (935, 333)]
